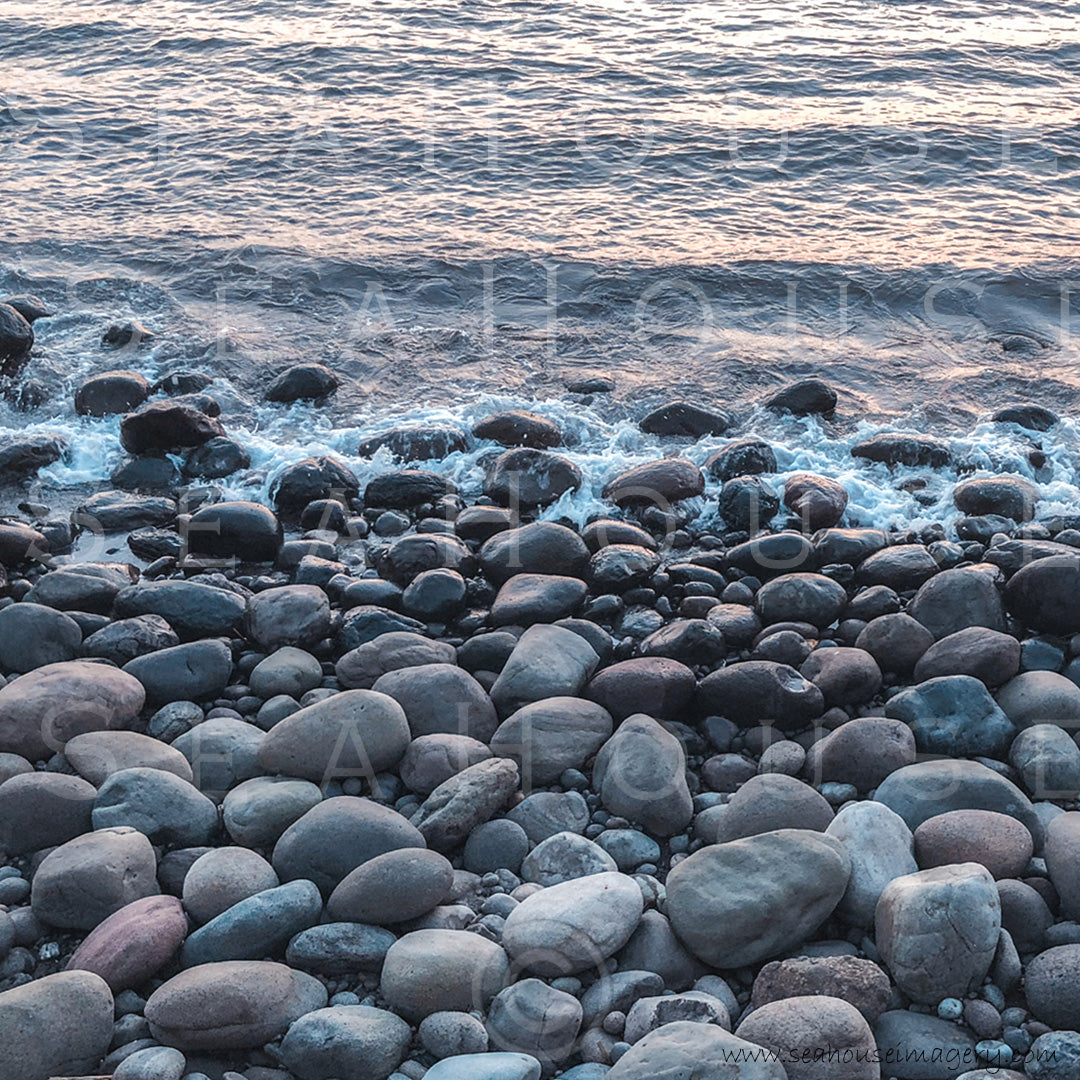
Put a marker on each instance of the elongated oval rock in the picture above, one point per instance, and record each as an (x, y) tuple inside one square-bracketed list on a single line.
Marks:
[(357, 733), (232, 1005), (466, 800), (96, 755), (574, 926), (703, 1051), (259, 926), (485, 1067), (259, 810), (347, 1042), (744, 901), (60, 1025), (134, 943), (392, 888), (339, 948), (431, 971), (41, 710), (937, 930)]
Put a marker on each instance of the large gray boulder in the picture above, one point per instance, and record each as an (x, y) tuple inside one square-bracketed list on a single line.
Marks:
[(937, 930), (347, 1042), (701, 1051), (548, 661), (779, 887)]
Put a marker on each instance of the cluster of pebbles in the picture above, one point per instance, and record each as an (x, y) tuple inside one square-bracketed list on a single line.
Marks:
[(432, 789)]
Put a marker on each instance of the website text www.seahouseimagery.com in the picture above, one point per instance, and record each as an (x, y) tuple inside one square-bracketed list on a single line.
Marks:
[(950, 1057)]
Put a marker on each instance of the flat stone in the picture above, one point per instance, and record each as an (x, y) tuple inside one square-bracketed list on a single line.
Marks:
[(466, 800), (96, 755), (339, 948), (195, 671), (164, 807), (347, 1042)]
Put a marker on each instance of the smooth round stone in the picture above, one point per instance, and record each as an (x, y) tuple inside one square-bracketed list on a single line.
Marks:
[(1052, 987), (58, 1025), (1053, 1056), (259, 810), (164, 807), (574, 926), (629, 848), (297, 615), (41, 810), (880, 847), (533, 1018), (222, 752), (811, 598), (548, 812), (431, 971), (548, 661), (496, 845), (50, 705), (288, 671), (485, 1067), (232, 1005), (766, 803), (392, 888), (821, 1024), (338, 835), (451, 1034), (861, 752), (174, 719), (194, 671), (996, 841), (351, 1042), (362, 666), (339, 948), (32, 635), (153, 1063), (259, 926), (1041, 697), (654, 685), (779, 888), (224, 877), (937, 930), (84, 881), (432, 759), (357, 733), (440, 699), (859, 982), (686, 1048), (564, 857), (134, 943), (1062, 854), (1048, 762), (96, 755), (16, 765), (911, 1042)]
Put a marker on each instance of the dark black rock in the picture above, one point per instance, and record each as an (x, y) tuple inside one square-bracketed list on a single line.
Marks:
[(434, 595), (480, 523), (1045, 595), (166, 425), (151, 544), (618, 567), (543, 547), (30, 307), (660, 482), (758, 690), (313, 478), (327, 514), (416, 443), (1004, 496), (246, 530), (217, 458), (126, 333), (406, 488), (692, 642), (983, 526), (23, 457), (903, 567), (804, 398), (371, 591), (118, 511), (529, 477), (302, 382), (819, 501), (747, 503), (745, 457), (904, 449), (111, 392), (768, 556), (591, 384), (680, 418), (19, 541), (519, 428), (182, 382), (16, 340), (1032, 417), (411, 555), (147, 473), (365, 622), (191, 608)]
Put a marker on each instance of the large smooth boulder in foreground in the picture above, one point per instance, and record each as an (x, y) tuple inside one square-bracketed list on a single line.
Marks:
[(41, 710), (738, 903), (1045, 594), (548, 661), (347, 1042), (60, 1025), (687, 1049), (760, 690), (231, 1005)]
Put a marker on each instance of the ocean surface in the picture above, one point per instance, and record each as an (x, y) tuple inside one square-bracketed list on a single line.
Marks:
[(461, 206)]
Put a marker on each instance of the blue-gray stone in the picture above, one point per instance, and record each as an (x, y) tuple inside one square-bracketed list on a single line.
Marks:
[(339, 948), (953, 715), (629, 848), (485, 1067), (256, 927)]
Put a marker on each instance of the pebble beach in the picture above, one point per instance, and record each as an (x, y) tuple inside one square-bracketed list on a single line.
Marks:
[(383, 780)]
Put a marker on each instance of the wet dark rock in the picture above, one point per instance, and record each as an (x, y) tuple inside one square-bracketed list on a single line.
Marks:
[(811, 598), (804, 398), (657, 686), (1007, 496), (680, 418), (818, 501), (217, 458), (1045, 595), (23, 457), (117, 511), (302, 382), (420, 443), (739, 624), (145, 473), (528, 477), (30, 307), (988, 655), (693, 642), (744, 457), (126, 333), (125, 639), (16, 339), (196, 671), (747, 504), (769, 556), (166, 425), (191, 608), (111, 392), (246, 530), (313, 478), (906, 449), (758, 690), (848, 545), (537, 598), (896, 641), (658, 483), (407, 488), (519, 428), (182, 382), (480, 523), (1032, 417), (903, 567), (618, 567), (82, 586), (409, 556), (542, 547)]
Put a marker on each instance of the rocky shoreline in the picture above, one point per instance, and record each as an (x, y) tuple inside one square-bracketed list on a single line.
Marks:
[(383, 781)]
